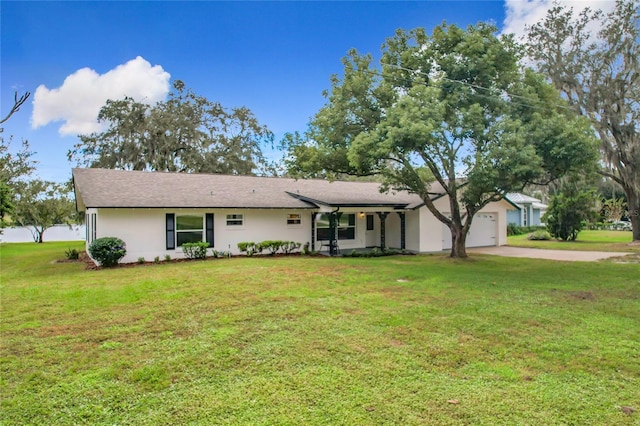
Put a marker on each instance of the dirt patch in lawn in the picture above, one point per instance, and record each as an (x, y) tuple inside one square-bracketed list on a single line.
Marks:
[(581, 295)]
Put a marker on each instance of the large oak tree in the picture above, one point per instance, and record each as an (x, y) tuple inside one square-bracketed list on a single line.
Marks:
[(599, 75), (454, 107), (185, 133)]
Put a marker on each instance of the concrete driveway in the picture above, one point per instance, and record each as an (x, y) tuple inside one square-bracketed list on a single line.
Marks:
[(532, 253)]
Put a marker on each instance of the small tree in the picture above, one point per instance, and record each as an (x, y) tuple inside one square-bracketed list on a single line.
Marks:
[(42, 204), (14, 169), (568, 210)]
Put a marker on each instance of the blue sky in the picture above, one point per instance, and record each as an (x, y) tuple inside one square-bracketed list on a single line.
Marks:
[(273, 57)]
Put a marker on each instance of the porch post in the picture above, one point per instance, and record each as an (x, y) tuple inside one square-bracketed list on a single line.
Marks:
[(333, 239), (403, 238), (313, 231), (383, 218)]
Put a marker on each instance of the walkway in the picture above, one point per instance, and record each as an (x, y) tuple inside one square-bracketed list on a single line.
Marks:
[(532, 253)]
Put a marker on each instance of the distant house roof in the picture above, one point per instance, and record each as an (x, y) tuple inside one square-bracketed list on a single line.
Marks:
[(137, 189), (519, 199)]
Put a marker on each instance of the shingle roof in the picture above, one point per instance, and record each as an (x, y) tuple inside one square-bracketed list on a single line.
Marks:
[(519, 198), (120, 188)]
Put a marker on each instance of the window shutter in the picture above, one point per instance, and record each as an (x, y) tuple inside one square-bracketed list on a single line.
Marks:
[(209, 228), (171, 231)]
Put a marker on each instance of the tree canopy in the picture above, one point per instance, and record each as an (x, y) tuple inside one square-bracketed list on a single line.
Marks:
[(15, 168), (599, 76), (572, 204), (454, 107), (42, 204), (185, 133)]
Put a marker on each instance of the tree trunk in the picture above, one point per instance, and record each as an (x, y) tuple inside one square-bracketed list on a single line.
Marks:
[(39, 233), (633, 204), (458, 242)]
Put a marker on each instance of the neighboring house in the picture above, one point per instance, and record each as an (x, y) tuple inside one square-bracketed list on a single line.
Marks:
[(528, 210), (155, 213)]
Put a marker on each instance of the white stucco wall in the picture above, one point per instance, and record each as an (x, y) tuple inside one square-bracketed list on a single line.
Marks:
[(143, 230), (501, 208), (430, 233), (412, 230)]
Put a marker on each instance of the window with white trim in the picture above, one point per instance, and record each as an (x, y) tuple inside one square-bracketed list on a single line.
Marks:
[(235, 219), (346, 227), (189, 229), (294, 219)]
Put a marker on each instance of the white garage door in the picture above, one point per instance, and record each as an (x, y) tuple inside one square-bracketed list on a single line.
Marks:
[(482, 233)]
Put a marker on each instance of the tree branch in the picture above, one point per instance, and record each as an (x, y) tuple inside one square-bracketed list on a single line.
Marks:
[(17, 103)]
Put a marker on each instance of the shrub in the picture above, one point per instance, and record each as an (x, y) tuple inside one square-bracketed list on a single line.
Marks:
[(141, 260), (156, 259), (568, 212), (375, 252), (72, 254), (195, 250), (107, 251), (250, 248), (167, 257), (272, 245), (513, 229), (289, 247), (539, 235)]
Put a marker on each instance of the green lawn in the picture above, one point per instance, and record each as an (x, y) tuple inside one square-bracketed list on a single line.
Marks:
[(318, 341), (587, 240)]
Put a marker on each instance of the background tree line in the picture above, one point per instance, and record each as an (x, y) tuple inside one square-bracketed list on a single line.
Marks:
[(185, 133)]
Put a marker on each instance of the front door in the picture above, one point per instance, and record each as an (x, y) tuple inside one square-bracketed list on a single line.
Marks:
[(371, 234)]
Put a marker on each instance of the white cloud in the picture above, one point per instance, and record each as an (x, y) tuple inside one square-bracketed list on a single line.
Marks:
[(82, 94), (521, 13)]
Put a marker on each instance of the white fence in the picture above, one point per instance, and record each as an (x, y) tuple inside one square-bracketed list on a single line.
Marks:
[(55, 233)]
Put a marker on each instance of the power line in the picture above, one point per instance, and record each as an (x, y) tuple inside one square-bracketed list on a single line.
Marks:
[(475, 86)]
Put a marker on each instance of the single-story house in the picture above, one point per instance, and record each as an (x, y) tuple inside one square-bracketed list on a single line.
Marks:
[(154, 213), (526, 211)]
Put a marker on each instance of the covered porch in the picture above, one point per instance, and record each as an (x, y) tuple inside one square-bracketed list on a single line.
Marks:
[(338, 231)]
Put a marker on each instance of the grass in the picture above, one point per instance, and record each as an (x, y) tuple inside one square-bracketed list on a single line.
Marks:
[(316, 341), (587, 241)]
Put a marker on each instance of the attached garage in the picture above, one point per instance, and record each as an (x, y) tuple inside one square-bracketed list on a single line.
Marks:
[(482, 233)]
